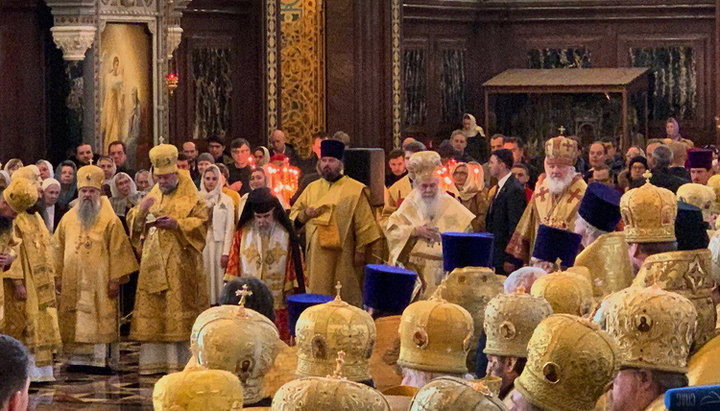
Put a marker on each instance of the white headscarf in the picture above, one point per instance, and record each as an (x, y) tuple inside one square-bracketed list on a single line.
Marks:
[(212, 197), (49, 167), (48, 182), (113, 186)]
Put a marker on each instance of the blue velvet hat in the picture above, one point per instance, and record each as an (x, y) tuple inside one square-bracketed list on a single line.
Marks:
[(697, 398), (600, 206), (690, 228), (467, 250), (297, 303), (388, 289), (552, 243), (700, 158), (332, 148)]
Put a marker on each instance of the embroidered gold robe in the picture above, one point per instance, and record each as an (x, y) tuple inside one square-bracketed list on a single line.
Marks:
[(420, 255), (345, 226), (704, 365), (609, 264), (557, 211), (8, 245), (35, 320), (86, 260), (394, 196), (172, 288)]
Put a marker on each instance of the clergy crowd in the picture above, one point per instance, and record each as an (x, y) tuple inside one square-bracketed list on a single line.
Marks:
[(490, 277)]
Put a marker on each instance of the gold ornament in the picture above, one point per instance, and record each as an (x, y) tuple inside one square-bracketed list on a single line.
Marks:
[(383, 361), (566, 291), (238, 340), (198, 390), (714, 183), (510, 320), (323, 330), (654, 328), (450, 394), (30, 173), (20, 195), (164, 159), (569, 365), (561, 150), (333, 392), (608, 263), (688, 273), (699, 195), (648, 213), (90, 176), (435, 336), (423, 165)]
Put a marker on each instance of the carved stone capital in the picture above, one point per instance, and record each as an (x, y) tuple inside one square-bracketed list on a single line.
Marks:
[(74, 40), (174, 37)]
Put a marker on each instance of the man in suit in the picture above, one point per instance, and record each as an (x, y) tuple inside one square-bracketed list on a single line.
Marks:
[(507, 203)]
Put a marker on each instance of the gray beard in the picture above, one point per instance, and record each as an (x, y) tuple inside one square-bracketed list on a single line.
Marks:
[(428, 207), (88, 212), (168, 190), (557, 186)]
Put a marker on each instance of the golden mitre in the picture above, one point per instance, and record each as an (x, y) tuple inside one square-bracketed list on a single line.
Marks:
[(569, 365), (325, 329), (688, 273), (510, 320), (648, 213), (608, 263), (383, 361), (30, 173), (561, 150), (699, 195), (714, 183), (238, 340), (567, 292), (164, 159), (332, 392), (451, 394), (471, 288), (423, 164), (654, 328), (90, 176), (20, 195), (435, 336), (198, 390)]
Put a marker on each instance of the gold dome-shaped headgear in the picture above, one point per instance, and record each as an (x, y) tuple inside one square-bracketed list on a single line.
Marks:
[(90, 176), (567, 292), (20, 195), (451, 394), (648, 213), (333, 392), (510, 320), (435, 336), (30, 173), (198, 390), (654, 328), (164, 159), (569, 365), (423, 164), (325, 329), (688, 273), (238, 340), (714, 183), (561, 151), (701, 196)]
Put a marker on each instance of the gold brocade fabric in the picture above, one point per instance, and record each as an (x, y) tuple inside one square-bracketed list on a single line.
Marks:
[(383, 361), (172, 289), (703, 367), (8, 245), (33, 321), (394, 196), (510, 320), (608, 262), (451, 393), (86, 260), (345, 210), (648, 213), (557, 211), (198, 390), (321, 393)]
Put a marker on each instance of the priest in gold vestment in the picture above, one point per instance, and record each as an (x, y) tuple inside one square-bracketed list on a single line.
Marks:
[(556, 199), (413, 231), (169, 226), (30, 301), (339, 226), (92, 257)]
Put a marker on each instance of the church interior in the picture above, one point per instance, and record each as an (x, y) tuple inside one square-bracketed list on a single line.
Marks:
[(150, 72)]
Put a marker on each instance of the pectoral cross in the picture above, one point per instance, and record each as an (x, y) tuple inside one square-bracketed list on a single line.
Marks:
[(243, 294), (562, 130), (161, 139), (574, 195), (542, 192), (339, 363), (91, 161), (338, 287), (647, 175)]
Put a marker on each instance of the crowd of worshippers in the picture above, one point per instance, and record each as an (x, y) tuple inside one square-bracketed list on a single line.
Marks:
[(558, 282)]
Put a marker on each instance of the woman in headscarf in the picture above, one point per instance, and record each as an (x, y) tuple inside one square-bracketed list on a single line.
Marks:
[(46, 169), (12, 165), (123, 195), (68, 182), (50, 210), (259, 179), (220, 232), (469, 181), (476, 143), (262, 156)]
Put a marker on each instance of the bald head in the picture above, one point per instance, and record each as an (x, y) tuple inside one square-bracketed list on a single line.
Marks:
[(277, 141)]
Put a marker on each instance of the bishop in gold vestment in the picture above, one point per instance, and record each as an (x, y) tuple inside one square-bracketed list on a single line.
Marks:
[(170, 226), (556, 199), (92, 256), (339, 226)]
